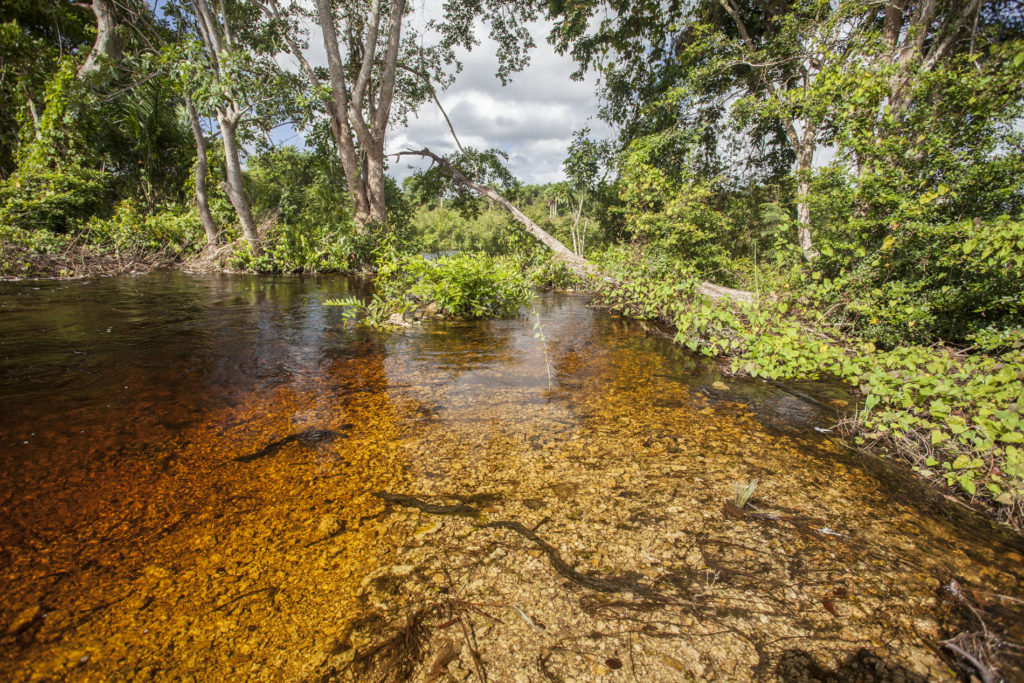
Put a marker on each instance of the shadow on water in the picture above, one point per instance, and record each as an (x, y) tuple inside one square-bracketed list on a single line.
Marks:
[(212, 476)]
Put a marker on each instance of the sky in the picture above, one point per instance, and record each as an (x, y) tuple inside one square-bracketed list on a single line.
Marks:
[(532, 119)]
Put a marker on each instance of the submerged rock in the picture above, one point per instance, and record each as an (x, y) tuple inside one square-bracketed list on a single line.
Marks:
[(24, 619)]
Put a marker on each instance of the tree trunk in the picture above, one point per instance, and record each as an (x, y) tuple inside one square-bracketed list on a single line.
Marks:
[(202, 198), (234, 184), (577, 240), (338, 108), (376, 186), (804, 161), (108, 42)]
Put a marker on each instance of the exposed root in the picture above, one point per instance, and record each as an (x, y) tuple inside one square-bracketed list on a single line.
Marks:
[(612, 585), (429, 508), (397, 656), (979, 648), (76, 261), (978, 643)]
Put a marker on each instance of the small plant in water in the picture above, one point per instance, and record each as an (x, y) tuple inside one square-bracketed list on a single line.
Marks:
[(538, 333), (744, 492)]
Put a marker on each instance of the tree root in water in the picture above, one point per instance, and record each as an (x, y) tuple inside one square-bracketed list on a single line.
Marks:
[(980, 649), (613, 585), (610, 585), (308, 437), (429, 508)]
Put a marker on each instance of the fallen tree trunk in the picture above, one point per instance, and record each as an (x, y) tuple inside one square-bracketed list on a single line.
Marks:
[(576, 263)]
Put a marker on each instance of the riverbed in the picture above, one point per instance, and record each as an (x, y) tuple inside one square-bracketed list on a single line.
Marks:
[(217, 477)]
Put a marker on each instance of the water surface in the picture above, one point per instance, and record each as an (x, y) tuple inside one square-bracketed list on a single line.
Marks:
[(166, 512)]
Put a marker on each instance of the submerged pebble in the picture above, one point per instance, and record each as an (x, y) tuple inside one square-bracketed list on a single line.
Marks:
[(620, 468)]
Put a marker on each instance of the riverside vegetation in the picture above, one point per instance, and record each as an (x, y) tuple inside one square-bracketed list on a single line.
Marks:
[(896, 267)]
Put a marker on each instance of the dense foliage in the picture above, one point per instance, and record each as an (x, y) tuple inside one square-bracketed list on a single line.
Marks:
[(466, 285)]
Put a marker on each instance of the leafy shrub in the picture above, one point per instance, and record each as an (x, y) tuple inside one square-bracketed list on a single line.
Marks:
[(643, 283), (39, 241), (134, 232), (469, 285), (665, 204), (460, 286), (299, 249), (55, 200), (542, 269), (19, 248), (928, 281), (446, 229)]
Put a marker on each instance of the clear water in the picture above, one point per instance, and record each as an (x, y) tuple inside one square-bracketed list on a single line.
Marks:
[(156, 520)]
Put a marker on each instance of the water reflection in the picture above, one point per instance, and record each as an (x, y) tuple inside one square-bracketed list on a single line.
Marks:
[(138, 534)]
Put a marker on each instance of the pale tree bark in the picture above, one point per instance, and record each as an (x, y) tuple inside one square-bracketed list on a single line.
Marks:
[(577, 236), (338, 109), (217, 38), (359, 110), (341, 130), (918, 36), (202, 167), (36, 127), (234, 182), (804, 164), (108, 45)]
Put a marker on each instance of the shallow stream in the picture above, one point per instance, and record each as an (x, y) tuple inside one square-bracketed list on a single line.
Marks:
[(213, 477)]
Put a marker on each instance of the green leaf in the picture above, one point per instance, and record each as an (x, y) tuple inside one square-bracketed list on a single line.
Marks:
[(967, 483)]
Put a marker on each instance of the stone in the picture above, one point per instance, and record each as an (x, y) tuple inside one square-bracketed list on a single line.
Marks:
[(329, 525), (402, 569), (24, 619)]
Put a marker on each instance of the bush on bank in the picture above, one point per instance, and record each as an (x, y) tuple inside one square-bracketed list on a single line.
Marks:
[(953, 412), (465, 285), (302, 249)]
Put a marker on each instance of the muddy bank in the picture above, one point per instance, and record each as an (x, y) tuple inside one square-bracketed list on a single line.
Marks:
[(18, 262), (592, 539)]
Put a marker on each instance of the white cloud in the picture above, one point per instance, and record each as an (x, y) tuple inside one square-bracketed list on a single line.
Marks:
[(532, 119)]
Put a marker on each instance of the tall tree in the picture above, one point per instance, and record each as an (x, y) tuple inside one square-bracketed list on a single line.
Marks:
[(778, 70), (201, 171), (231, 74), (218, 38), (381, 68)]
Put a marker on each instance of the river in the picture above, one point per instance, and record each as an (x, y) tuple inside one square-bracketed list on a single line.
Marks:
[(214, 477)]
